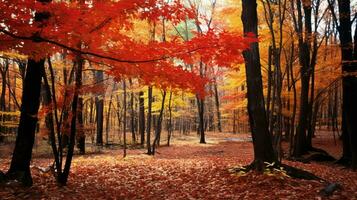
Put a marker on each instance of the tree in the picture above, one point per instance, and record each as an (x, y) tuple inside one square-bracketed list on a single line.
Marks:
[(142, 118), (305, 73), (148, 122), (263, 148), (20, 163), (158, 127), (22, 154), (304, 28), (349, 82), (217, 104), (132, 115), (3, 71), (275, 77), (81, 137), (124, 116), (99, 104)]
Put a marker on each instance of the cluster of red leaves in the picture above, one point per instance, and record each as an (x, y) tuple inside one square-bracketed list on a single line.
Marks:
[(70, 23), (96, 28), (183, 171), (173, 11), (212, 49)]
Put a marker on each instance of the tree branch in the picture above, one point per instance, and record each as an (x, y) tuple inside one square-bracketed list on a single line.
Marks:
[(41, 39)]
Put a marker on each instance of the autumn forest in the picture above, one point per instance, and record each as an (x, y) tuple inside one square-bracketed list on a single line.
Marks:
[(178, 99)]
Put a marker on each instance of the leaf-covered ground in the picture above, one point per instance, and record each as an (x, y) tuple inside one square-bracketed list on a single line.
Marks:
[(186, 170)]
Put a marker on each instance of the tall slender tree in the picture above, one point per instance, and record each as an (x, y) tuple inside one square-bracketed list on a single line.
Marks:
[(22, 154), (263, 148), (142, 118), (349, 82), (148, 121), (99, 104)]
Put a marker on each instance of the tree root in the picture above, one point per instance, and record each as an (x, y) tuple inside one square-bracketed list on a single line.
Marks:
[(292, 172), (300, 173), (314, 154), (321, 155), (288, 170)]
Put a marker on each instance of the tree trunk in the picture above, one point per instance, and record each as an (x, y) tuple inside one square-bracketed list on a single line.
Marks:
[(124, 118), (269, 86), (99, 101), (65, 112), (132, 115), (78, 82), (81, 136), (142, 118), (50, 98), (201, 127), (3, 72), (263, 148), (108, 119), (349, 84), (21, 158), (158, 127), (148, 121), (216, 98), (169, 128), (293, 85), (300, 147)]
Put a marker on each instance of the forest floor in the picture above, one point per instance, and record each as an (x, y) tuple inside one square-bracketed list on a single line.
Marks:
[(185, 170)]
